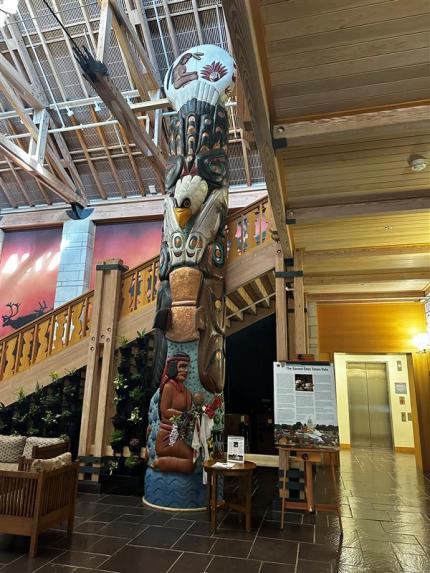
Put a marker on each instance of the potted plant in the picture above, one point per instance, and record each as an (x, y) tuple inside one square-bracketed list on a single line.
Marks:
[(117, 440)]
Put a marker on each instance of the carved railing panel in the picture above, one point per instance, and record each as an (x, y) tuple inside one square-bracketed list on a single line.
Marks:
[(68, 324), (248, 229), (45, 336)]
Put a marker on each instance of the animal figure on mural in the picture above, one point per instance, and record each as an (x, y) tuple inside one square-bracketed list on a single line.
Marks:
[(190, 300), (9, 320)]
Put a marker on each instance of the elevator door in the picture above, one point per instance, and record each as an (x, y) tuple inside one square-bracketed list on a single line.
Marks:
[(369, 408)]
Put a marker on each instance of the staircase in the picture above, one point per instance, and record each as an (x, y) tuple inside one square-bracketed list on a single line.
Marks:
[(59, 341)]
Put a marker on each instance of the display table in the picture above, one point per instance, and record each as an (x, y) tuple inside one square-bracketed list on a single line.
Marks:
[(310, 457), (243, 473)]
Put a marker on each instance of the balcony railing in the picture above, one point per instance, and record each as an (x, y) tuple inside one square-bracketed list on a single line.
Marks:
[(70, 323)]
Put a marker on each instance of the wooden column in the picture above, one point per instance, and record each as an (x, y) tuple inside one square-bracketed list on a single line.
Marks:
[(299, 305), (100, 362), (281, 310), (419, 382)]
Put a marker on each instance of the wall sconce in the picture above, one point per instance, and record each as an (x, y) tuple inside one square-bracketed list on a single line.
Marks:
[(422, 341)]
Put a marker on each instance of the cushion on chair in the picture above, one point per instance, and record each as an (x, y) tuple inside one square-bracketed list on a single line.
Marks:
[(11, 448), (8, 467), (35, 441), (51, 463)]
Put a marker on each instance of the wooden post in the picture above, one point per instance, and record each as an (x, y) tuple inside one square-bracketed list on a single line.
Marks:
[(419, 382), (299, 305), (100, 358), (281, 310)]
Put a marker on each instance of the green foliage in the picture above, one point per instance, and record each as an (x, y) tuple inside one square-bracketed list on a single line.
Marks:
[(47, 412), (132, 394), (123, 341), (54, 376), (137, 394), (20, 395), (132, 462)]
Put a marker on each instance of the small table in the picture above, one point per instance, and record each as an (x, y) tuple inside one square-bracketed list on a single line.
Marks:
[(244, 474), (310, 457)]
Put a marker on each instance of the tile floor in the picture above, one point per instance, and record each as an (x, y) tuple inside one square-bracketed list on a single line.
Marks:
[(386, 516)]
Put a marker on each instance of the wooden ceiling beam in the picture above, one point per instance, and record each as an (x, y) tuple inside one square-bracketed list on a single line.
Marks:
[(235, 311), (240, 19), (111, 162), (30, 7), (369, 251), (29, 93), (339, 278), (101, 190), (26, 60), (262, 289), (365, 208), (122, 21), (119, 107), (247, 299), (313, 131), (29, 164), (365, 296), (197, 21), (171, 28), (137, 12), (51, 155), (250, 319), (8, 195), (105, 25), (132, 160)]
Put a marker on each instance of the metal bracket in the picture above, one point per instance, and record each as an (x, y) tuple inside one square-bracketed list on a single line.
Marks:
[(280, 143), (78, 212)]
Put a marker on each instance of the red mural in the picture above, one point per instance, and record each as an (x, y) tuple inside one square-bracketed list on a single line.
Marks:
[(28, 276), (134, 243)]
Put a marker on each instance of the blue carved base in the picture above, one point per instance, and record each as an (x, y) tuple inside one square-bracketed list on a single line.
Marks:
[(175, 490)]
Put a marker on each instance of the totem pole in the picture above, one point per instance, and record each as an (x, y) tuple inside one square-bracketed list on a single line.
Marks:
[(186, 413)]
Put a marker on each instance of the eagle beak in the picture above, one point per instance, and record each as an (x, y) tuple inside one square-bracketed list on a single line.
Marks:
[(183, 215)]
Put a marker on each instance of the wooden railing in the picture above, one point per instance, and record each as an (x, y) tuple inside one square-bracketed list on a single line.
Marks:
[(68, 324), (247, 229), (45, 336)]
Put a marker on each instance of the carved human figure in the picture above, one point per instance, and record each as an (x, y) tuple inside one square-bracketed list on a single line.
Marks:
[(175, 399), (180, 75)]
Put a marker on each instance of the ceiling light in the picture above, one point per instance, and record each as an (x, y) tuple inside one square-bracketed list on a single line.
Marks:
[(97, 106), (421, 341), (417, 163), (70, 112)]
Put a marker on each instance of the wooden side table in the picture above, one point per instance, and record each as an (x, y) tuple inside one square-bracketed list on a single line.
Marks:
[(310, 457), (243, 472)]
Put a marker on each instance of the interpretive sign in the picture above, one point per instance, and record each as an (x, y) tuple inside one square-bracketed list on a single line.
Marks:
[(305, 405), (236, 449)]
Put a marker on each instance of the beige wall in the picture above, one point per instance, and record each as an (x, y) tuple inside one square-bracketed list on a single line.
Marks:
[(402, 431)]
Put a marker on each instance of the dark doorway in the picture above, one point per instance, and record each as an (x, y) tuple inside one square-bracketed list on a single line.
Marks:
[(249, 384)]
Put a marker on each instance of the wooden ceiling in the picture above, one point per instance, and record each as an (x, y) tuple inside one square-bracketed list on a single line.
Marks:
[(354, 170), (344, 54), (347, 85)]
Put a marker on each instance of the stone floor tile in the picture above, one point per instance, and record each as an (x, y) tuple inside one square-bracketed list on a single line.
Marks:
[(132, 559), (232, 565)]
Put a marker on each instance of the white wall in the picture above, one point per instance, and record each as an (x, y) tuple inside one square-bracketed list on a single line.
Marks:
[(402, 431)]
